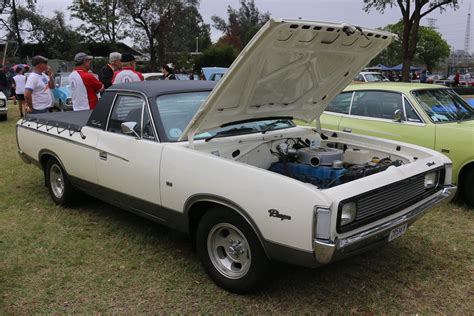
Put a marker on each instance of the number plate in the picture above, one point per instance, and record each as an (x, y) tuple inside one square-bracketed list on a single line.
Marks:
[(397, 232)]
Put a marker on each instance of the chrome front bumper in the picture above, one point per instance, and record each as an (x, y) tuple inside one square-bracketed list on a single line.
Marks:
[(326, 251)]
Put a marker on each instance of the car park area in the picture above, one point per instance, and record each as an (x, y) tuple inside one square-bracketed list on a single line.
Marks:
[(99, 258)]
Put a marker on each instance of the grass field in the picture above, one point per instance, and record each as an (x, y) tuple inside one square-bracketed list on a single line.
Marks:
[(100, 259)]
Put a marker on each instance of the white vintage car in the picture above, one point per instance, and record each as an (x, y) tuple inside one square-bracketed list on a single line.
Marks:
[(225, 163), (3, 107)]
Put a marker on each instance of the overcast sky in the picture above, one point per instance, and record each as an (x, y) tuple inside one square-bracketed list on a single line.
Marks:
[(451, 24)]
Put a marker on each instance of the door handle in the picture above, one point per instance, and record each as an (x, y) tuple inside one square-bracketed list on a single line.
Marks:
[(103, 155), (348, 130)]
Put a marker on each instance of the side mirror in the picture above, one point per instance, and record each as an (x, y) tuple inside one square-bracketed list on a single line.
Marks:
[(397, 116), (128, 128)]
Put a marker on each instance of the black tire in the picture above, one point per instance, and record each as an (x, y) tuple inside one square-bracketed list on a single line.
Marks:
[(3, 117), (60, 106), (467, 187), (240, 249), (60, 188)]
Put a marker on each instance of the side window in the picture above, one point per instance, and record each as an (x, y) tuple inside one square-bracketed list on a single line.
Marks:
[(341, 103), (148, 132), (126, 109), (377, 104), (412, 116)]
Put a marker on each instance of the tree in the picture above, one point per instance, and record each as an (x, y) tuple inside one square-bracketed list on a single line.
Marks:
[(9, 19), (55, 38), (412, 13), (153, 20), (218, 55), (102, 20), (431, 47), (242, 24), (186, 20)]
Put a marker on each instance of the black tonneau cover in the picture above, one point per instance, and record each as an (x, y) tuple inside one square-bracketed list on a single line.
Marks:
[(73, 120)]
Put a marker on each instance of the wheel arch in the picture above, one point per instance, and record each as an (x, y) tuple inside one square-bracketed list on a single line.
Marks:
[(197, 205), (43, 157), (462, 171), (45, 154)]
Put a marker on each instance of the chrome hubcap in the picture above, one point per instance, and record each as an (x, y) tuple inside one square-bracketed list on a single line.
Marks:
[(56, 179), (229, 250)]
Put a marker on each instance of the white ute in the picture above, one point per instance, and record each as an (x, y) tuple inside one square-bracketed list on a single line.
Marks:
[(227, 164)]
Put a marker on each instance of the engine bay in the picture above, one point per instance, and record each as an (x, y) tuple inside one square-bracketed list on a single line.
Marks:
[(325, 167)]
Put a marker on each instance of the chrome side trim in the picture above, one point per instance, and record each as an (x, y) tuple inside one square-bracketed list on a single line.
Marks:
[(327, 250)]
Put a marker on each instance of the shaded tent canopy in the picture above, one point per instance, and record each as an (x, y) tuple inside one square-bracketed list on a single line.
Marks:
[(400, 66), (381, 67)]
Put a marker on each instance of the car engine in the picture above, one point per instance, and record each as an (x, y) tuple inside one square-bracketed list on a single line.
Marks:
[(326, 167)]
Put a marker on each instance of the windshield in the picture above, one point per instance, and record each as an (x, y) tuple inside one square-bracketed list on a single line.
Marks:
[(374, 77), (443, 105), (177, 110)]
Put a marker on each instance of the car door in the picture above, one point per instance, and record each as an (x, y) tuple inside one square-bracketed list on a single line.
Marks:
[(336, 109), (372, 113), (128, 165)]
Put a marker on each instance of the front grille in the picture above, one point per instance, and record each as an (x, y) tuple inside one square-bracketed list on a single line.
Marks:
[(387, 200)]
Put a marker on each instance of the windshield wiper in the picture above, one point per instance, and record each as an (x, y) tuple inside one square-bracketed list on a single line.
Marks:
[(272, 125), (232, 131)]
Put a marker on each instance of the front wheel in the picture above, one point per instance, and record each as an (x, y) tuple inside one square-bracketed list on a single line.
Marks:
[(466, 187), (230, 251), (60, 189)]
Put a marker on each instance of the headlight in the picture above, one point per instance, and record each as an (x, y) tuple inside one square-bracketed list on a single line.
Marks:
[(2, 103), (431, 180), (69, 101), (348, 213)]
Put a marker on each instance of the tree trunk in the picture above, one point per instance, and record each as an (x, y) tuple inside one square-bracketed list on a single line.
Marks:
[(152, 50), (406, 60), (17, 28)]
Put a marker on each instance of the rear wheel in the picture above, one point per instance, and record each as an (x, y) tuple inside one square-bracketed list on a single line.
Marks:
[(3, 117), (59, 186), (230, 251), (467, 187)]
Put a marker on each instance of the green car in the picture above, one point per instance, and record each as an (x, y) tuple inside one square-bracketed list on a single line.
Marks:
[(423, 114)]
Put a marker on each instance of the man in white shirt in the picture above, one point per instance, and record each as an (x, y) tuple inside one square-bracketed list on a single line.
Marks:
[(38, 85), (20, 81)]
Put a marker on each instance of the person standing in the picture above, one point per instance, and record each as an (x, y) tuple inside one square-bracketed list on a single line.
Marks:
[(424, 76), (38, 86), (107, 72), (3, 81), (128, 72), (457, 79), (168, 73), (84, 86), (20, 82)]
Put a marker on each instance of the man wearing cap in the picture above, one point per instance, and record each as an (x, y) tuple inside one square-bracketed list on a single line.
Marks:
[(107, 72), (128, 72), (38, 86), (84, 86)]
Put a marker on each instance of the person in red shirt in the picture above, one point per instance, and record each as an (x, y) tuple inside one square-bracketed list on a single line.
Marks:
[(84, 85), (128, 72)]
